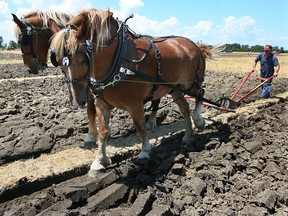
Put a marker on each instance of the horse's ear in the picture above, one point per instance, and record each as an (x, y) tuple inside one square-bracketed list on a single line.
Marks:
[(53, 26), (18, 21), (82, 30)]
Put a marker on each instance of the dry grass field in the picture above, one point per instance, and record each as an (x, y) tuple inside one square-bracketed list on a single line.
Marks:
[(242, 63), (4, 59), (231, 62)]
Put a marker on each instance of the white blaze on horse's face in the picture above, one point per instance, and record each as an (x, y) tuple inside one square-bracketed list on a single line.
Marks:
[(71, 89), (76, 73)]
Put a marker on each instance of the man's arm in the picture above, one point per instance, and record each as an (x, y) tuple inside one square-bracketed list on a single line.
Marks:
[(277, 68), (254, 65), (276, 65), (255, 61)]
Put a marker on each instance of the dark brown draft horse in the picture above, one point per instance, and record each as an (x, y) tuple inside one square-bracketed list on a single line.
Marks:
[(100, 54), (34, 36), (34, 33)]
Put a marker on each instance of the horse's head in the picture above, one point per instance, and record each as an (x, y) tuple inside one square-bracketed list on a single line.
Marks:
[(75, 50), (34, 33)]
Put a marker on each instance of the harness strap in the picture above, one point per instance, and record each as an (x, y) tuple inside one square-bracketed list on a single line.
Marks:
[(115, 66), (199, 96), (158, 69)]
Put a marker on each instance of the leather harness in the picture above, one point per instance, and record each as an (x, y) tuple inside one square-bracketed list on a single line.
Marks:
[(118, 69)]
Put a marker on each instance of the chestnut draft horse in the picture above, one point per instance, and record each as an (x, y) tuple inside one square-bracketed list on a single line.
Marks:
[(34, 33), (100, 54)]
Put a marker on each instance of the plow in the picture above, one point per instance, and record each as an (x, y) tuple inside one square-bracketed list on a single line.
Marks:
[(228, 104)]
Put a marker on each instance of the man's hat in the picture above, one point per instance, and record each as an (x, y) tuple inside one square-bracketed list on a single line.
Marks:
[(268, 47)]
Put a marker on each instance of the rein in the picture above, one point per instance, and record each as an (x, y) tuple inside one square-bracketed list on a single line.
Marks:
[(117, 71), (99, 83)]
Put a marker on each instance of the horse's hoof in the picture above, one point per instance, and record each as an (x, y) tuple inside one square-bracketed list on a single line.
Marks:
[(94, 173), (187, 140), (200, 124), (89, 139), (98, 166), (144, 155)]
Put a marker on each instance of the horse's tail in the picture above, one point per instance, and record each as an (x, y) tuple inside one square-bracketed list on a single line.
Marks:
[(210, 53)]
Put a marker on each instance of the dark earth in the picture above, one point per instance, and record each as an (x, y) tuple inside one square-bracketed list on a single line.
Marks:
[(235, 168)]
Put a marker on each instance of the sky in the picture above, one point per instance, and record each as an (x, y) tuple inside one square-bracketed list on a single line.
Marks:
[(247, 22)]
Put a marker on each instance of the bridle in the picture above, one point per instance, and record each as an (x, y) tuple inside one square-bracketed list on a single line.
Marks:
[(26, 38), (118, 70), (88, 55), (89, 49)]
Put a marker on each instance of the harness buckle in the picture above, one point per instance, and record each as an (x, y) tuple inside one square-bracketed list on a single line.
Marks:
[(29, 30), (126, 71), (89, 45), (117, 78)]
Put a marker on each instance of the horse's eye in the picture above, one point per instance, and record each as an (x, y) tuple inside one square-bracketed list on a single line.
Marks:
[(83, 62)]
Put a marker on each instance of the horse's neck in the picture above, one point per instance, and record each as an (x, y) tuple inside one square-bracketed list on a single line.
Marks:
[(103, 60), (105, 55)]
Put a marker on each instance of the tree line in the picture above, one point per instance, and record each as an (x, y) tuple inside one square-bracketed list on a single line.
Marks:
[(234, 47)]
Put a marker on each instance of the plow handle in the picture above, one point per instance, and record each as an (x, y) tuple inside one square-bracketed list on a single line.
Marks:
[(240, 86), (254, 89)]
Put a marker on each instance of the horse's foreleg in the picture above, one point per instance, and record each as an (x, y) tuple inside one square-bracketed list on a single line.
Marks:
[(140, 125), (184, 108), (101, 161), (151, 123), (197, 117), (91, 112)]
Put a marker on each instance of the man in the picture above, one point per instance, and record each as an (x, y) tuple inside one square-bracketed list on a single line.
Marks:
[(269, 67)]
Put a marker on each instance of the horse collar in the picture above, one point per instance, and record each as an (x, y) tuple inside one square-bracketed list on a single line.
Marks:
[(113, 75)]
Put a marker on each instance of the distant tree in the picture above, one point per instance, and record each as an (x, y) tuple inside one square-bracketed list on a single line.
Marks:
[(12, 45), (276, 48), (257, 48), (199, 42), (235, 47), (1, 41), (245, 48)]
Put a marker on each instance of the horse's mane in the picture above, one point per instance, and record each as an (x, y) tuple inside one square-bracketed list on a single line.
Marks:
[(60, 18), (97, 22)]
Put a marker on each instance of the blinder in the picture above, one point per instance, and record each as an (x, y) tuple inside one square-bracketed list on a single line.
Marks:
[(66, 61), (53, 58), (25, 38)]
